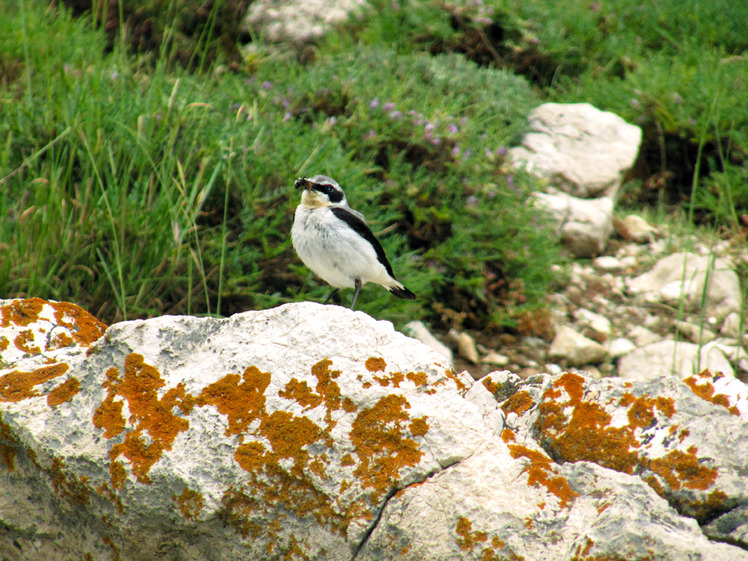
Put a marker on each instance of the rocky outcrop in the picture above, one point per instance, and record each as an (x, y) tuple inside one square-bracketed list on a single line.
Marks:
[(583, 153), (314, 432)]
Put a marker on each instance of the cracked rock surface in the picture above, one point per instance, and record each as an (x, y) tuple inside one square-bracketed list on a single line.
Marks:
[(313, 432)]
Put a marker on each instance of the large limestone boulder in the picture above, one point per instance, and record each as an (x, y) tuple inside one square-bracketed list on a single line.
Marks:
[(314, 432), (578, 148)]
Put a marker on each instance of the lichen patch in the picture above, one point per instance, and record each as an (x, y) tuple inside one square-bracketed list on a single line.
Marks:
[(153, 421), (577, 428), (540, 471), (17, 385), (64, 392), (702, 385), (380, 438)]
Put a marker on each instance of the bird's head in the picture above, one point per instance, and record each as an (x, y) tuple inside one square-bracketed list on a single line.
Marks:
[(319, 191)]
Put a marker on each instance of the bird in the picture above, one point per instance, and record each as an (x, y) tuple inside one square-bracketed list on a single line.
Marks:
[(334, 241)]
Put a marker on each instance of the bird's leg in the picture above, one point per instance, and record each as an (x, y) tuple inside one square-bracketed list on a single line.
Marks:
[(333, 293), (357, 284)]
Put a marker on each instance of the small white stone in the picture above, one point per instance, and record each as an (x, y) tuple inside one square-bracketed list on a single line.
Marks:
[(466, 348), (731, 326), (620, 346), (607, 263), (418, 330), (575, 349), (495, 358)]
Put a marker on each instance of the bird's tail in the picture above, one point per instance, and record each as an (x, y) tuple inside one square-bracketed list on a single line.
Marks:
[(400, 291)]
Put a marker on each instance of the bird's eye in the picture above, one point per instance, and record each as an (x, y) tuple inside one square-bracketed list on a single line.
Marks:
[(327, 189)]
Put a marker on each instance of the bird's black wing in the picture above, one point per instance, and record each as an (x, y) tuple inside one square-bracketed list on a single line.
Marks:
[(360, 227)]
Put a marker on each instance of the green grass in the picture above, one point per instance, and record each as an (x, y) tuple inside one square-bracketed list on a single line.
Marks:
[(149, 174), (136, 188)]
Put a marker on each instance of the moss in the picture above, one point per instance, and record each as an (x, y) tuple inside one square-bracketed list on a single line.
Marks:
[(17, 385)]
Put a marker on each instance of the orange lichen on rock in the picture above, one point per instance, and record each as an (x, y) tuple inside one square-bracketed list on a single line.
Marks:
[(64, 392), (75, 489), (641, 409), (683, 468), (60, 340), (375, 364), (149, 413), (451, 376), (190, 503), (21, 312), (468, 539), (586, 433), (85, 328), (540, 472), (418, 378), (240, 398), (4, 343), (8, 456), (23, 342), (394, 378), (517, 403), (379, 436), (701, 385), (17, 386)]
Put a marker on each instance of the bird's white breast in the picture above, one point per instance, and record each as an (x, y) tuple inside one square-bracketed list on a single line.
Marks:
[(333, 250)]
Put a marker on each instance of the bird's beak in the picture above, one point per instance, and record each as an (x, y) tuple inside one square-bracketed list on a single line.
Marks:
[(302, 183)]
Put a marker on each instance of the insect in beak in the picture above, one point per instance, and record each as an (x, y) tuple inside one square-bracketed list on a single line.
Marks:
[(302, 183)]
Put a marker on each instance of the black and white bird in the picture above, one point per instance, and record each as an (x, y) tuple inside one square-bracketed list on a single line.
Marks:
[(334, 241)]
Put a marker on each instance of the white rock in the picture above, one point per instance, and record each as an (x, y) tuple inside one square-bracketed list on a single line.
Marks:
[(685, 439), (575, 349), (418, 330), (608, 264), (596, 322), (579, 148), (297, 22), (492, 357), (731, 326), (635, 229), (671, 358), (584, 225), (619, 346), (695, 333), (643, 336), (250, 437), (467, 349), (681, 277)]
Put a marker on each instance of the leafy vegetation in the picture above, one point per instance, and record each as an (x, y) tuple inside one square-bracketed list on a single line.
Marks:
[(147, 167)]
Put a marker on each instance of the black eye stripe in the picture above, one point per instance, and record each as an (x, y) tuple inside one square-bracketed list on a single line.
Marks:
[(335, 195)]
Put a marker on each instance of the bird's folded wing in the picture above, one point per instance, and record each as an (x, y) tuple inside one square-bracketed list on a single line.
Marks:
[(355, 221)]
